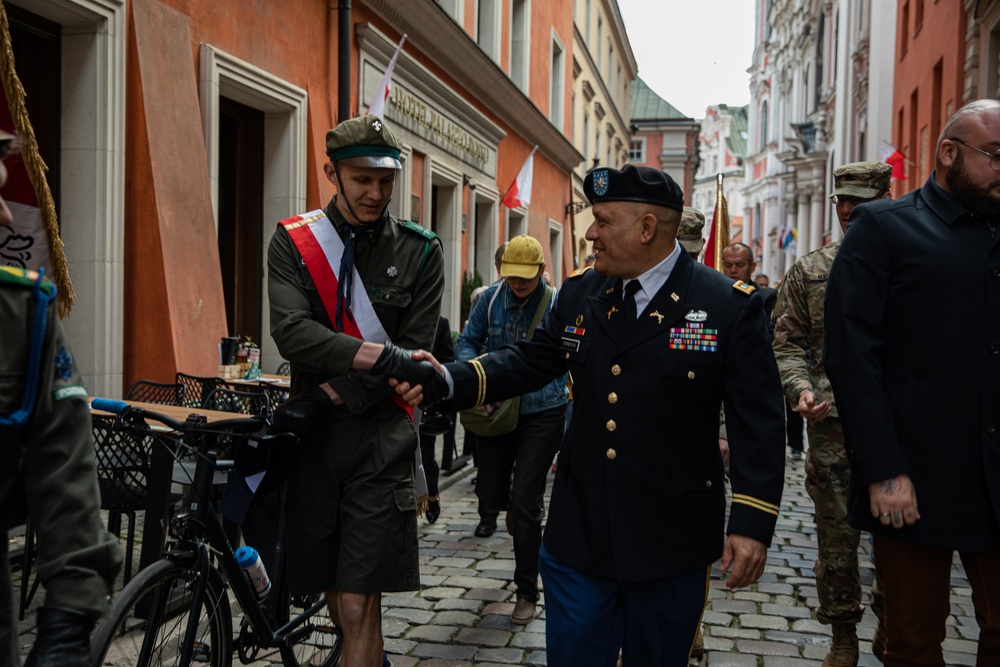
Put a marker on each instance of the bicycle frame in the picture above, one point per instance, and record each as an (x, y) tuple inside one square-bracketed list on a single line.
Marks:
[(199, 531)]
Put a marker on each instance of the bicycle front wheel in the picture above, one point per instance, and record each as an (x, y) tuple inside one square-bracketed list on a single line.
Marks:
[(149, 619)]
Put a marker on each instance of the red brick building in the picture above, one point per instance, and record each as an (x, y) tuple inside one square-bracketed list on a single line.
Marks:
[(929, 80)]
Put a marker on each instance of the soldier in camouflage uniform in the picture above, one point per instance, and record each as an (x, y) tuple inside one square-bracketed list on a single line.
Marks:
[(49, 473), (798, 347)]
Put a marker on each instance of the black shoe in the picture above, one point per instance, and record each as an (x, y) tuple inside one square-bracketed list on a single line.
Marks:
[(486, 527), (433, 510), (63, 639)]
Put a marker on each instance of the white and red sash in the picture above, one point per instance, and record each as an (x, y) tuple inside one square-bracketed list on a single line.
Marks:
[(321, 247)]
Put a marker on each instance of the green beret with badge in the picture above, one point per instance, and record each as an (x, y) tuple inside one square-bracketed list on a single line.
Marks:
[(864, 180), (365, 141)]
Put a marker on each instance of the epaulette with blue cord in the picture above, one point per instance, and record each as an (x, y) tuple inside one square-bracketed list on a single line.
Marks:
[(44, 292)]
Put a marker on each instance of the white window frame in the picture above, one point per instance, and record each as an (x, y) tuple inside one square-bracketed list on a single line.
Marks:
[(285, 108), (92, 180), (557, 87), (490, 42), (555, 242), (521, 76), (641, 158)]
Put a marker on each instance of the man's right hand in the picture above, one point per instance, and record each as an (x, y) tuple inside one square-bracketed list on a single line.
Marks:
[(302, 413), (417, 370), (810, 409)]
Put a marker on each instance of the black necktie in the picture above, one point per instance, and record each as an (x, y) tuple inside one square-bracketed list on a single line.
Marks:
[(628, 302), (344, 279)]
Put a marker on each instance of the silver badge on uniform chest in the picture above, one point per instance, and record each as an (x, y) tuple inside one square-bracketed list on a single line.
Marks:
[(392, 271), (696, 316)]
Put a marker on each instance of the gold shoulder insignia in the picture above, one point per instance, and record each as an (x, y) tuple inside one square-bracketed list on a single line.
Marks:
[(741, 286), (579, 272)]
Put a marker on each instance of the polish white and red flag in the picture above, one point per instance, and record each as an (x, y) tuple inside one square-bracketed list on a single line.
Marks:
[(377, 107), (519, 192), (893, 157)]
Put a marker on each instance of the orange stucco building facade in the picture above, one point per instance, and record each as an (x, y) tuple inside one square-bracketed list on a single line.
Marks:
[(216, 115)]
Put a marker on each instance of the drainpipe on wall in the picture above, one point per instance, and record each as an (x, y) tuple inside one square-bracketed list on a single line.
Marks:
[(344, 61)]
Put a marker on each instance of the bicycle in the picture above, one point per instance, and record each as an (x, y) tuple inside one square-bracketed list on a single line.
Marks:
[(178, 610)]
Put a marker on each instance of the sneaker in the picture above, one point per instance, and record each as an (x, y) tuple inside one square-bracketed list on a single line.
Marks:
[(524, 612)]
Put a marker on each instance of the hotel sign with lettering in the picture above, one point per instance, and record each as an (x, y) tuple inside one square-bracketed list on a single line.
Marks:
[(407, 110)]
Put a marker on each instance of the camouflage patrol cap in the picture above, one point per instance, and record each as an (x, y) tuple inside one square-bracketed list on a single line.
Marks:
[(365, 141), (864, 180), (689, 231)]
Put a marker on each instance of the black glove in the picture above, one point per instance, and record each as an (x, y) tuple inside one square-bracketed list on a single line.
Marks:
[(303, 413), (63, 639), (395, 362)]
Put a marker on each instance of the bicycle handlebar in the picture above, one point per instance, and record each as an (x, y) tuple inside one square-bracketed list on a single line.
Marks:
[(123, 409)]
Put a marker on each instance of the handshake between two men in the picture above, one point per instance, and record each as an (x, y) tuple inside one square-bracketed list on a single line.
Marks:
[(417, 376)]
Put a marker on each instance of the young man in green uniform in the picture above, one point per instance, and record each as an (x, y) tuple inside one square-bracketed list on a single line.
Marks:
[(337, 277), (49, 473)]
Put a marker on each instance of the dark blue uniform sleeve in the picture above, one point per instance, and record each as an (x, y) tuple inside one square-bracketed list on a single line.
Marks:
[(755, 419)]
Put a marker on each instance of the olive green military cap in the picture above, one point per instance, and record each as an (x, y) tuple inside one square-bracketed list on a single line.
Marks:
[(864, 180), (365, 141), (689, 231)]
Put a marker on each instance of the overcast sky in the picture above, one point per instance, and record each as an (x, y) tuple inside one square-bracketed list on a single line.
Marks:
[(692, 54)]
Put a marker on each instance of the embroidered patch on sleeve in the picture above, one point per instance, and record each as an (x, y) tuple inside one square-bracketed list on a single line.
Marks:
[(74, 391)]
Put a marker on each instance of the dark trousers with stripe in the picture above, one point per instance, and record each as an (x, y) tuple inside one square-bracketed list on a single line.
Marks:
[(589, 619)]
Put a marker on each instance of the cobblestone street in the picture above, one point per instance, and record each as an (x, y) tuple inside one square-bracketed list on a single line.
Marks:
[(462, 614)]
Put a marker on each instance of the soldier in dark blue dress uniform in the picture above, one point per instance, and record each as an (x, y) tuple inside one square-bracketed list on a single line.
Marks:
[(654, 343)]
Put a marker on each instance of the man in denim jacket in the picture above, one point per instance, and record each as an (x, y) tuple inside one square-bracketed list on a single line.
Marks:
[(502, 316)]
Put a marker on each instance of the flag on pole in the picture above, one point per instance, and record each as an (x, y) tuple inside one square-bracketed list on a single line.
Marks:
[(893, 157), (519, 192), (718, 237), (377, 107)]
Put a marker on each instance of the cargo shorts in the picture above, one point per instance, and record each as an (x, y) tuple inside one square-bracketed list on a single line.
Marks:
[(352, 523)]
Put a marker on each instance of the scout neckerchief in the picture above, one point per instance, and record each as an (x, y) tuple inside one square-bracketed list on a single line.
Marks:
[(322, 249)]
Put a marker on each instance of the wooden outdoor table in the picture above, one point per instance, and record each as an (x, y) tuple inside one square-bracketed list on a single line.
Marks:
[(281, 381), (162, 473)]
